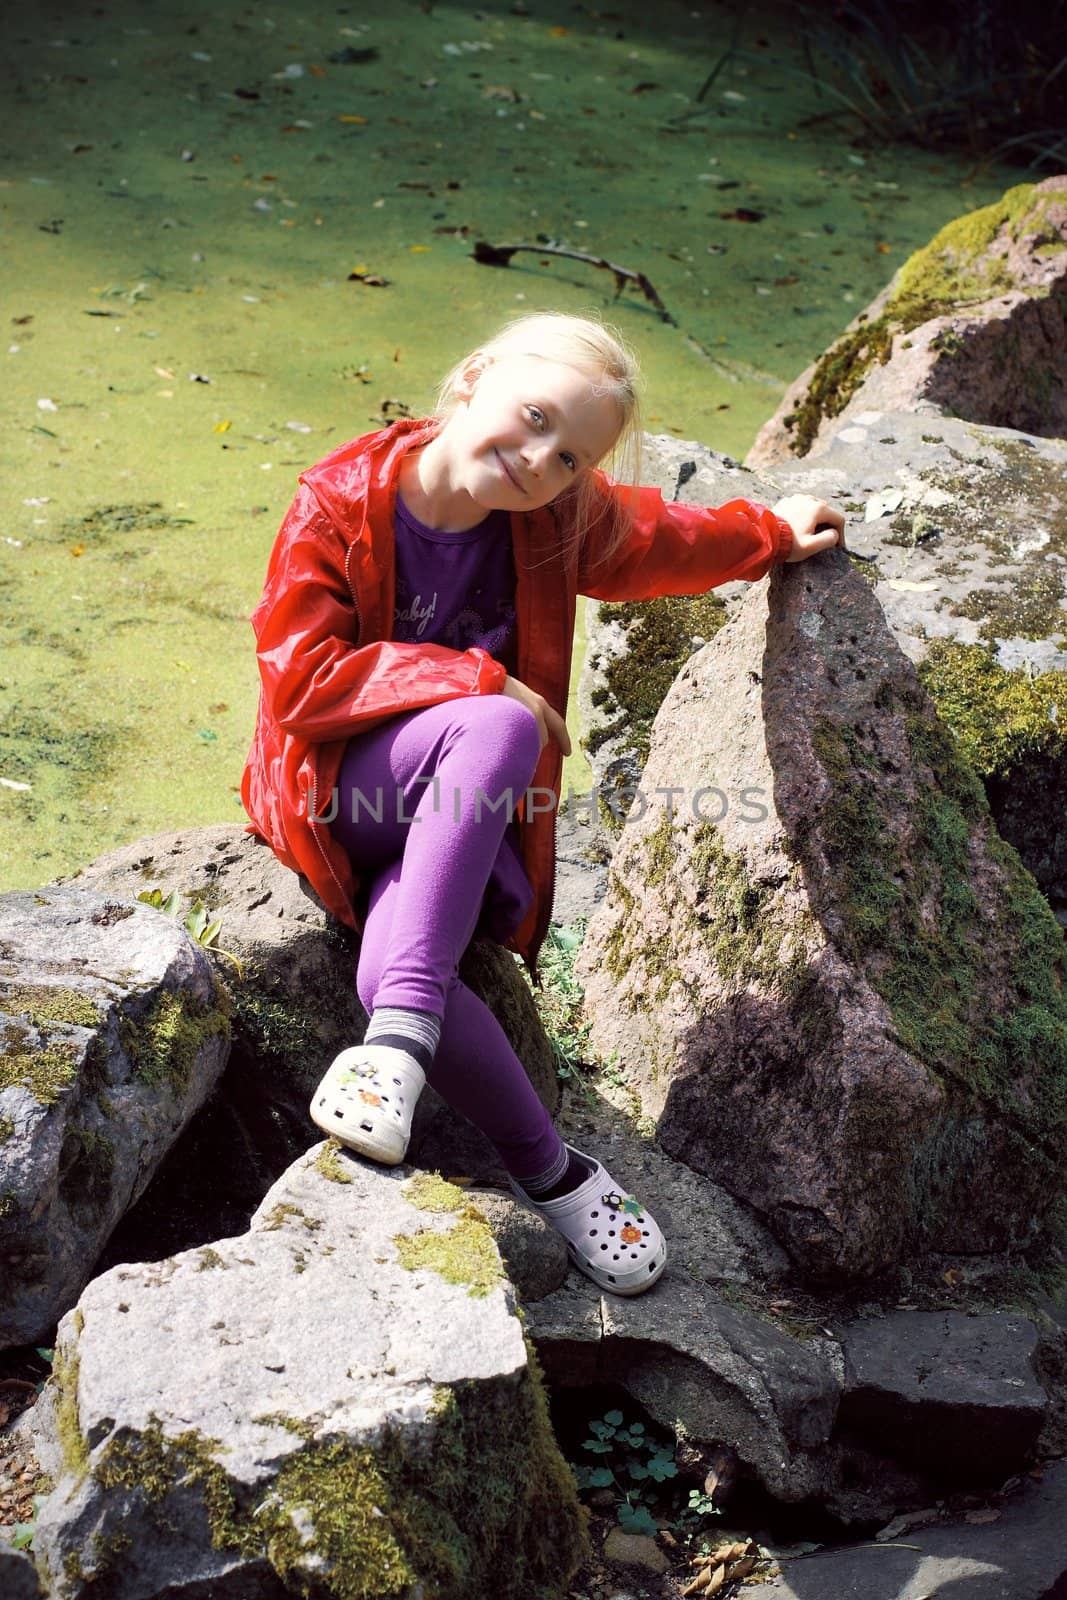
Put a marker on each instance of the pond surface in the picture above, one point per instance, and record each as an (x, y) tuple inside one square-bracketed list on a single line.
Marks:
[(185, 195)]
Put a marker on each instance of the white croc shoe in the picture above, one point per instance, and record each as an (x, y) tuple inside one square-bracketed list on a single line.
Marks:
[(367, 1098), (610, 1235)]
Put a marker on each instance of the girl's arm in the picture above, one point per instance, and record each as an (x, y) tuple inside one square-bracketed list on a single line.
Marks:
[(671, 547), (317, 681)]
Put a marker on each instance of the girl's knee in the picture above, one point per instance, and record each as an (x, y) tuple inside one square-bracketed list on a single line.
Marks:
[(504, 737)]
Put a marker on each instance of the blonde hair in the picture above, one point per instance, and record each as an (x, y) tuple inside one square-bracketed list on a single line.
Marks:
[(601, 353)]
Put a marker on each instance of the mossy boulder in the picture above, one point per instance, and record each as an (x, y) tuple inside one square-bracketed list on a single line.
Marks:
[(113, 1031), (339, 1402), (962, 531), (844, 998), (973, 325), (290, 969)]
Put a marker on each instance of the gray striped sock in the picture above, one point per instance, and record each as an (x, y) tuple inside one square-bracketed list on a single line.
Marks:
[(417, 1032)]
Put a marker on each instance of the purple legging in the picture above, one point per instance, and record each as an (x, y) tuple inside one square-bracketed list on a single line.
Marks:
[(436, 779)]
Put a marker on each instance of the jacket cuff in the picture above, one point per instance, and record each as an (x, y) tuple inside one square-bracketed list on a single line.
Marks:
[(785, 540), (491, 672)]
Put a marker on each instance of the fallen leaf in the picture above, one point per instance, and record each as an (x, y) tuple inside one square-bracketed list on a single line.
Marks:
[(316, 71), (346, 117), (419, 249), (220, 427), (906, 586), (882, 248), (500, 91), (986, 1514), (77, 549), (742, 214), (881, 505), (163, 372), (558, 33), (371, 279)]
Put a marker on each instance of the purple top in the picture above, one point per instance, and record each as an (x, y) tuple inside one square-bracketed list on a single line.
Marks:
[(456, 589)]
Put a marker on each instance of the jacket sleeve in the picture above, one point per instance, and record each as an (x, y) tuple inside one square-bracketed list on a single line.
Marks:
[(317, 681), (671, 547)]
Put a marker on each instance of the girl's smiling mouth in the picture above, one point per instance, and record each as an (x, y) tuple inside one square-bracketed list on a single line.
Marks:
[(508, 473)]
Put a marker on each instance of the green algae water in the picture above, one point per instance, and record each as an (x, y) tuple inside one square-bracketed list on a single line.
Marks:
[(235, 237)]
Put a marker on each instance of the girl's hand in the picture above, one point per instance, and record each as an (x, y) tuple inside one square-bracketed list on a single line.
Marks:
[(816, 526), (549, 720)]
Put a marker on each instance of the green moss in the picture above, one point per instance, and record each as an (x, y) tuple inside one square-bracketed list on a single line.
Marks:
[(279, 1215), (955, 269), (1000, 718), (164, 1045), (328, 1163), (68, 1428), (86, 1165), (273, 1030), (209, 1259), (8, 1204), (483, 1504), (45, 1071), (659, 641), (733, 918), (7, 1128), (50, 1005), (430, 1192), (464, 1254), (904, 911)]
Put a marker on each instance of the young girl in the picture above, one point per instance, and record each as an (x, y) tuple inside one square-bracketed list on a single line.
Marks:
[(414, 642)]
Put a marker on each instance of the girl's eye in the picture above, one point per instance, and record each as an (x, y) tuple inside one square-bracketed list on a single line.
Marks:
[(569, 461), (537, 417)]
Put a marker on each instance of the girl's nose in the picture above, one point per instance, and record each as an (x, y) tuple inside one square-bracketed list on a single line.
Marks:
[(536, 457)]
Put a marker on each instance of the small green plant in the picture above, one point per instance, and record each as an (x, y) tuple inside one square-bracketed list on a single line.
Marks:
[(635, 1465), (197, 922), (560, 1001)]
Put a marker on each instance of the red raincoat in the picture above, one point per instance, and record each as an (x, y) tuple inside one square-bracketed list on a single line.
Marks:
[(329, 669)]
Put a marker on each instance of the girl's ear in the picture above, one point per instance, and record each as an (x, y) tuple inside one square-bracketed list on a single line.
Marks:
[(469, 373)]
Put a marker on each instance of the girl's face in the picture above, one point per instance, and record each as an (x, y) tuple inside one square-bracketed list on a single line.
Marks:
[(524, 429)]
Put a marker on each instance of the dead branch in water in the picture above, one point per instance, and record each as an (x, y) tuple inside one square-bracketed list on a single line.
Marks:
[(499, 255)]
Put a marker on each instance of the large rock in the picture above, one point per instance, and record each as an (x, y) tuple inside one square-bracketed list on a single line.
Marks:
[(833, 985), (290, 968), (965, 541), (960, 531), (1014, 1550), (974, 325), (338, 1402), (691, 1352), (949, 1393), (114, 1031)]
